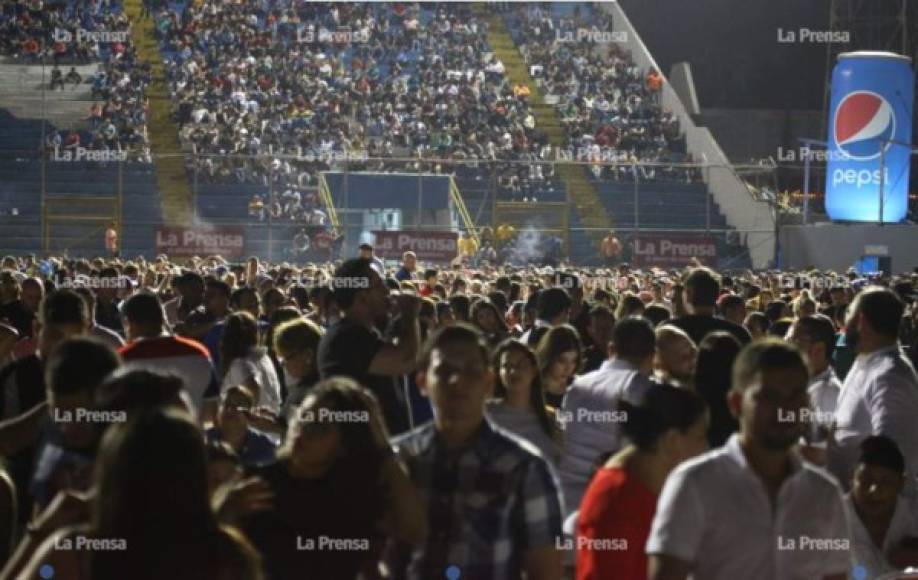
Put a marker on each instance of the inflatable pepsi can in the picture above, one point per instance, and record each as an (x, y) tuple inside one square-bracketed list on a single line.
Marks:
[(870, 112)]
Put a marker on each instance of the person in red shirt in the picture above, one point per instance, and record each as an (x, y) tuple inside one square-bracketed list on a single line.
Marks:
[(430, 282), (668, 427)]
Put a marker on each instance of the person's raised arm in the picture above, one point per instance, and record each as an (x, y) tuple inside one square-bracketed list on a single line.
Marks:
[(399, 358)]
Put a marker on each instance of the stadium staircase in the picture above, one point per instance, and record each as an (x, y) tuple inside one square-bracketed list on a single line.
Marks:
[(177, 197), (592, 217)]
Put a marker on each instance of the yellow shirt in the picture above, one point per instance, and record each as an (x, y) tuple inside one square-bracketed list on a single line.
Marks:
[(467, 246)]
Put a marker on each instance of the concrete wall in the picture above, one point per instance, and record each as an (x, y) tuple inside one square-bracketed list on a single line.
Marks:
[(838, 246)]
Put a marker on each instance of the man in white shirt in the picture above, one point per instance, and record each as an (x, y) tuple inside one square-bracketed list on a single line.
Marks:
[(880, 393), (884, 529), (753, 509), (815, 336), (589, 413)]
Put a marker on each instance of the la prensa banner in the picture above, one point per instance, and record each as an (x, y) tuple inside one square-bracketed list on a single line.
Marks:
[(428, 245), (673, 250), (228, 241)]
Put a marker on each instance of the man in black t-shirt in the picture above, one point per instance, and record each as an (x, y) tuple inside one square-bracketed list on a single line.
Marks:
[(353, 347), (701, 289)]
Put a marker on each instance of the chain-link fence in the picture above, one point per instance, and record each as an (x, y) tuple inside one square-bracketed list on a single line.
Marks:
[(64, 197)]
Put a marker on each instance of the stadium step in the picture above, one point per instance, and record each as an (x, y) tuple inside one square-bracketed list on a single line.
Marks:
[(177, 198), (583, 194)]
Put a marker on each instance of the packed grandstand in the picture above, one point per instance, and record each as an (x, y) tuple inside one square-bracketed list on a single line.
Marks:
[(359, 290)]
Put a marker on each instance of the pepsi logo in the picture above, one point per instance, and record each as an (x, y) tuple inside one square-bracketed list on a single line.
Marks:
[(863, 122)]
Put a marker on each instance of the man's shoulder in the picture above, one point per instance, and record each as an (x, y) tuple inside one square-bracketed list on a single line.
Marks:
[(165, 347), (819, 479), (710, 464)]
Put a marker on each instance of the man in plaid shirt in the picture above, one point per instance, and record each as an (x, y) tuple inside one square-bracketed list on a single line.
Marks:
[(494, 506)]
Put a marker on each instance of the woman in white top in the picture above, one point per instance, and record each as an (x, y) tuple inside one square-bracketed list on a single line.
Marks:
[(519, 406), (244, 362)]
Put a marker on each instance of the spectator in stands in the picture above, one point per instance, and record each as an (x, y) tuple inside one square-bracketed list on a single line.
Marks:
[(352, 346), (666, 429), (73, 77), (493, 540), (149, 348), (611, 248), (716, 356), (701, 289), (519, 403), (880, 393), (705, 524), (323, 487), (587, 413)]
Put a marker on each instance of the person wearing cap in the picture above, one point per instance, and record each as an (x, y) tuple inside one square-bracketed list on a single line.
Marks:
[(366, 251)]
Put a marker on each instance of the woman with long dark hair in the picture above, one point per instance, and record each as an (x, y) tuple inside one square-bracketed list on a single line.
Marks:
[(244, 362), (519, 403), (716, 354), (151, 514), (487, 318), (335, 478), (560, 356), (668, 427)]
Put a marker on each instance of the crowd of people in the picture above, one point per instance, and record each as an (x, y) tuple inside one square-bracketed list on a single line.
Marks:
[(207, 419), (62, 33), (310, 85), (610, 109)]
